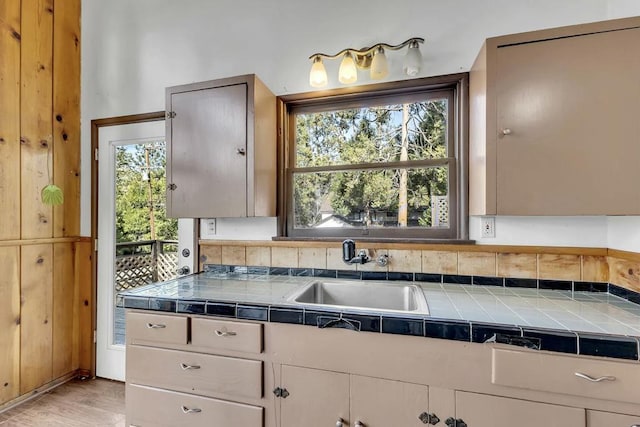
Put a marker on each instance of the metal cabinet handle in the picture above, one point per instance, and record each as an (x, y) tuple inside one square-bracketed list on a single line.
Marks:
[(186, 410), (340, 422), (594, 380), (505, 132), (186, 367), (225, 333), (428, 418), (156, 326), (241, 151)]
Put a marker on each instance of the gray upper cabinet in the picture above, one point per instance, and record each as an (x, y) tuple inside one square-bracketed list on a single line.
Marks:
[(221, 149), (553, 122)]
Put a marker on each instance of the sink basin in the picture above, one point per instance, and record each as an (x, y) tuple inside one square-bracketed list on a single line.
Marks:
[(362, 296)]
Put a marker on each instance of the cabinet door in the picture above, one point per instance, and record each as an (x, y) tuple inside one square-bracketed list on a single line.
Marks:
[(607, 419), (206, 153), (479, 410), (316, 398), (570, 107), (377, 402)]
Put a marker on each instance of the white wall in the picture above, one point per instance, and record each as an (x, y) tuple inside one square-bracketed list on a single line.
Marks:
[(132, 50), (622, 8)]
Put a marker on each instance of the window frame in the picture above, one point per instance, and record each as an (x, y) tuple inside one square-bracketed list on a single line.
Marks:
[(454, 87)]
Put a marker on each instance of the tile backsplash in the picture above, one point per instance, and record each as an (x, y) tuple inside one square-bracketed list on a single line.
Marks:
[(328, 255), (574, 264)]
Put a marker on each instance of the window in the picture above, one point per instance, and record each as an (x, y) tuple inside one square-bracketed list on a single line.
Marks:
[(385, 162)]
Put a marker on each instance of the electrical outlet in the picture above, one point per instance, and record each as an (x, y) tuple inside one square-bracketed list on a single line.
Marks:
[(488, 224), (208, 228)]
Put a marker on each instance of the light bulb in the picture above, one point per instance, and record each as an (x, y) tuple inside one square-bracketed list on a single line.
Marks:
[(348, 72), (318, 74), (379, 65), (412, 60)]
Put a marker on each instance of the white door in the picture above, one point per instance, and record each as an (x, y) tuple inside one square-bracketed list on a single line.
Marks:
[(136, 247)]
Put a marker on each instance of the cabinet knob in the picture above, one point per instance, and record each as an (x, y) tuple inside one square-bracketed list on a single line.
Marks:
[(359, 424), (505, 132), (241, 151), (340, 422), (172, 186)]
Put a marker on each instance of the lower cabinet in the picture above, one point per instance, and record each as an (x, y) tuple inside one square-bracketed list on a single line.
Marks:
[(148, 406), (175, 377), (313, 398), (319, 398), (479, 410), (607, 419)]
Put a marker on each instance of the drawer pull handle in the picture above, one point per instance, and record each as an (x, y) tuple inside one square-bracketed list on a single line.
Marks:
[(186, 367), (594, 380), (190, 410), (225, 333), (156, 326)]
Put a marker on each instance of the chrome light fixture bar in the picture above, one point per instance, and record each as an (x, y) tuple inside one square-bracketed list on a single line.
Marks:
[(372, 58)]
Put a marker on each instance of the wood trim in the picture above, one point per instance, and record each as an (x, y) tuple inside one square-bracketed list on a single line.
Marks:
[(29, 242), (626, 255), (388, 87), (35, 394), (333, 243)]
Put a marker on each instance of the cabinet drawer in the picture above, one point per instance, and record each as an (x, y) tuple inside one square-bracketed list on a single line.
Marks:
[(150, 407), (197, 373), (558, 374), (225, 335), (156, 328)]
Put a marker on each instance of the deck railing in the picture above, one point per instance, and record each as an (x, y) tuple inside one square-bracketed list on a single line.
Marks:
[(143, 262)]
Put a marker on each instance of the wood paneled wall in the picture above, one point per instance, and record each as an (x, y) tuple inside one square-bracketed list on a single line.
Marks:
[(45, 285)]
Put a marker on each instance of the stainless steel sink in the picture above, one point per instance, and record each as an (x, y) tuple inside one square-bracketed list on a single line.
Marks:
[(363, 295)]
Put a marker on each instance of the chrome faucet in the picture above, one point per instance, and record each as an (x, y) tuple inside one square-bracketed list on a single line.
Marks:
[(349, 255)]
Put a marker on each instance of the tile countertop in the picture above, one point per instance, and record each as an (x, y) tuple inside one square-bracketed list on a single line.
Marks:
[(590, 323)]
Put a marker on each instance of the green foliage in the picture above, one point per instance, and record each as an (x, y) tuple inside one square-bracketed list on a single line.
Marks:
[(369, 135), (133, 204)]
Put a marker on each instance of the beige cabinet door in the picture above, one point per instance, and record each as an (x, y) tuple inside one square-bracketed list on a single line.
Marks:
[(607, 419), (316, 398), (479, 410), (383, 403), (568, 129), (206, 153)]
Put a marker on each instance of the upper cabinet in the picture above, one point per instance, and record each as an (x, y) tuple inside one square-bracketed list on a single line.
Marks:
[(555, 122), (221, 149)]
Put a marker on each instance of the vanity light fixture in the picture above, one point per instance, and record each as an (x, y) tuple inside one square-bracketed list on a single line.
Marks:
[(372, 58)]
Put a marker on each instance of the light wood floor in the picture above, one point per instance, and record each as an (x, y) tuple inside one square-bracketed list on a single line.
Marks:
[(97, 402)]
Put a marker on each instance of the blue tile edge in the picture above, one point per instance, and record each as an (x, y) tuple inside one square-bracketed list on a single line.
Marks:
[(566, 285), (617, 347)]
